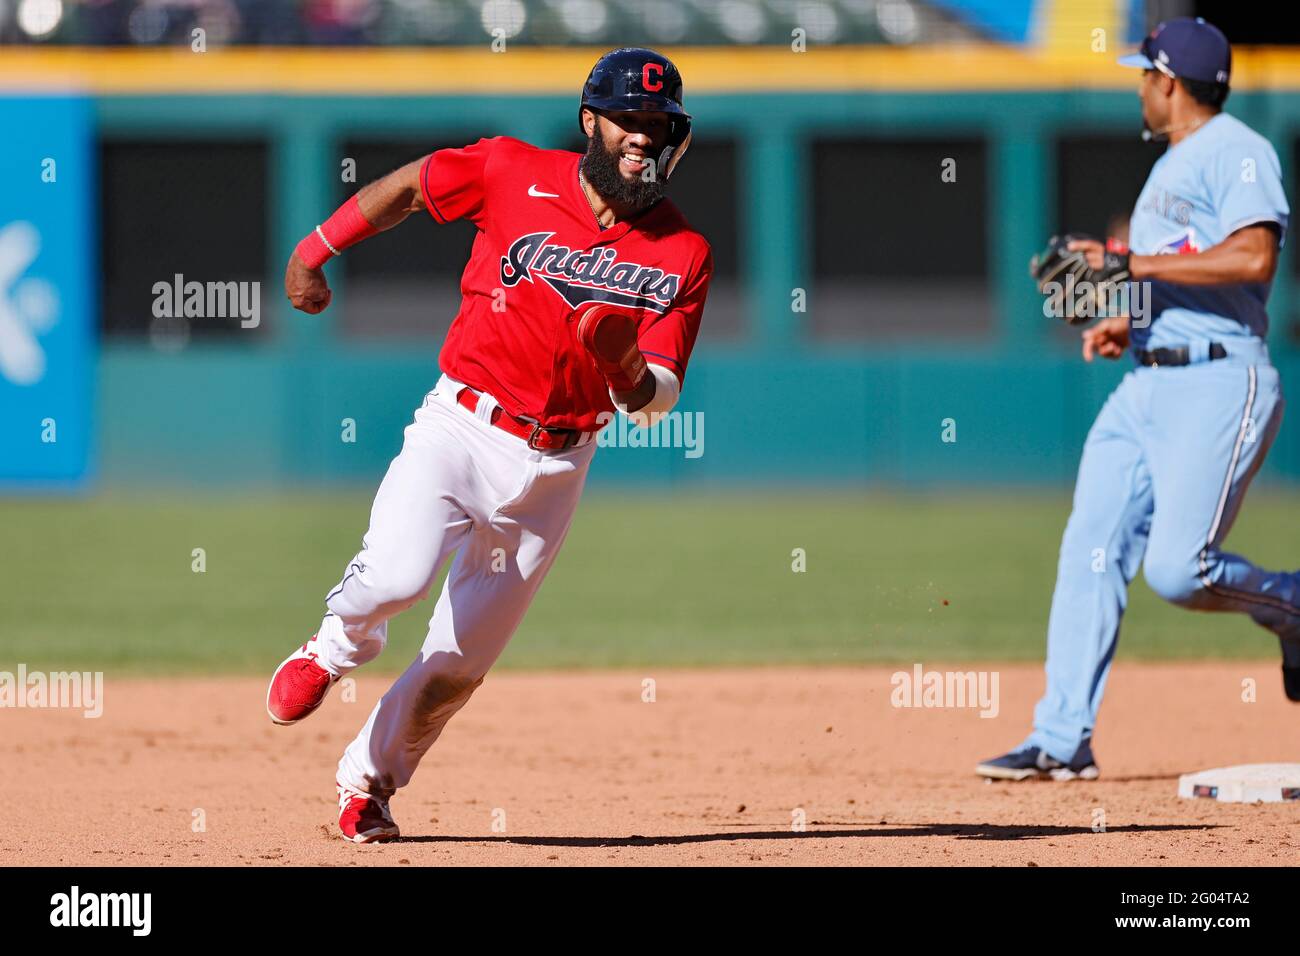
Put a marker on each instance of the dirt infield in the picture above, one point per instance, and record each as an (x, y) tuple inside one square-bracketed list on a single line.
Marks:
[(579, 770)]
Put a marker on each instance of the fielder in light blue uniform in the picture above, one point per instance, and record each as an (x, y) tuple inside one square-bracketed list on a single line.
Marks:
[(1171, 454)]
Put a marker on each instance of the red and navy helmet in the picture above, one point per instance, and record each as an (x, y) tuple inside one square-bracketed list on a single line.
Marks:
[(635, 79)]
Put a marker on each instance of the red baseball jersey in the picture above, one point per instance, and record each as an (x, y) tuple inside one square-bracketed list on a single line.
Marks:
[(539, 255)]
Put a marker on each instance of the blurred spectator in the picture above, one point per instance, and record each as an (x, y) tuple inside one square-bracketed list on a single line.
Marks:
[(338, 21), (423, 22)]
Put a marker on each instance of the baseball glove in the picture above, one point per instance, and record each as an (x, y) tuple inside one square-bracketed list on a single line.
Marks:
[(1059, 271)]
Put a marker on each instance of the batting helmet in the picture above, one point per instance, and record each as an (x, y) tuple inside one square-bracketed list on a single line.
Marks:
[(635, 79)]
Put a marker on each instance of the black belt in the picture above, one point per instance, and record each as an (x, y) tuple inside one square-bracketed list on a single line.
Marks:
[(1176, 356)]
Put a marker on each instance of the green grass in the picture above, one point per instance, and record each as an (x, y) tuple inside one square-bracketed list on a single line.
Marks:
[(107, 582)]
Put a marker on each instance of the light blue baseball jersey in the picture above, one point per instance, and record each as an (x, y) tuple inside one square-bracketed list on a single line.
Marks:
[(1221, 178), (1173, 451)]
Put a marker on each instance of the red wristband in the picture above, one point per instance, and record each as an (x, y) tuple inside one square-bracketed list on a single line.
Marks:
[(346, 227)]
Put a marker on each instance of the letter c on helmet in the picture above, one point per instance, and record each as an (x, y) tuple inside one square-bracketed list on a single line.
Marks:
[(654, 86)]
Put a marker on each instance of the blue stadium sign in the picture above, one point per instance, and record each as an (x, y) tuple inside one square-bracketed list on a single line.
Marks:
[(47, 255)]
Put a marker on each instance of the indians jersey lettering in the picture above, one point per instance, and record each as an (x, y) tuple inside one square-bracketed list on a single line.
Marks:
[(539, 255), (580, 276)]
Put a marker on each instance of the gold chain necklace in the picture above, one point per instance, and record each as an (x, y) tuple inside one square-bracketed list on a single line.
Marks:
[(582, 186)]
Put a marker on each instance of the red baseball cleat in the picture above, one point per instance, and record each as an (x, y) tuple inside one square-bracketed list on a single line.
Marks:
[(297, 688), (364, 818)]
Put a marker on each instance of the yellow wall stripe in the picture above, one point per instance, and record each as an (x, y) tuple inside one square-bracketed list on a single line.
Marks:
[(1069, 25), (536, 70)]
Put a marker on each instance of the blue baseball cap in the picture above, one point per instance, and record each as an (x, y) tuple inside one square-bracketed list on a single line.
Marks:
[(1187, 47)]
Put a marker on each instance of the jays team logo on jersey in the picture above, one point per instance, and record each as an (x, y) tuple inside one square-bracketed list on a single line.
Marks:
[(1183, 243), (592, 275)]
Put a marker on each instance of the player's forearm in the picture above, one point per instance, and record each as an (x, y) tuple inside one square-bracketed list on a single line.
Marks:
[(1205, 268), (1250, 259), (654, 396), (638, 397), (378, 206), (389, 200)]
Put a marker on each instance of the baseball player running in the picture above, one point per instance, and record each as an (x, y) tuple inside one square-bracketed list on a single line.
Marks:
[(1171, 454), (583, 293)]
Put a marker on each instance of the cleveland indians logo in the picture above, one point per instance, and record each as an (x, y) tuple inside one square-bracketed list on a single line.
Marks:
[(591, 275)]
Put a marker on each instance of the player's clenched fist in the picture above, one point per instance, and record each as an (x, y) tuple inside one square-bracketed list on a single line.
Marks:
[(1108, 338), (608, 332), (306, 288)]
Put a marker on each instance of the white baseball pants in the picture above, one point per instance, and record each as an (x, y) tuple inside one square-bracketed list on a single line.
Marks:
[(459, 485)]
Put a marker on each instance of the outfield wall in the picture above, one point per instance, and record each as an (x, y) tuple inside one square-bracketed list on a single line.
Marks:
[(778, 404)]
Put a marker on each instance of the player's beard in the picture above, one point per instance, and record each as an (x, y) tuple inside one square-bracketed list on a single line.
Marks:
[(601, 169)]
